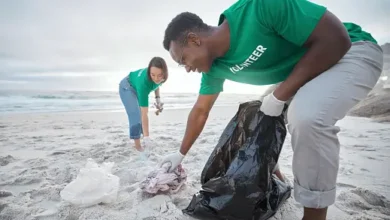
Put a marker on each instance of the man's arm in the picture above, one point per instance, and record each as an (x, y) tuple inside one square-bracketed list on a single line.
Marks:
[(196, 120), (327, 44)]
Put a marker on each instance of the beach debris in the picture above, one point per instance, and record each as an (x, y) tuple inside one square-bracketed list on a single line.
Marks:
[(4, 161), (94, 184), (160, 180), (3, 206), (58, 153), (4, 193)]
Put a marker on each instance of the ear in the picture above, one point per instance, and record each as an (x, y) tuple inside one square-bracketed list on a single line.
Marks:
[(193, 38)]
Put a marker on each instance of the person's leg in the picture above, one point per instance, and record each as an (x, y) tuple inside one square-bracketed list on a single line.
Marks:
[(130, 102), (312, 116)]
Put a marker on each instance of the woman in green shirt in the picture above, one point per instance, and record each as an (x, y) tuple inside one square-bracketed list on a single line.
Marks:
[(134, 92)]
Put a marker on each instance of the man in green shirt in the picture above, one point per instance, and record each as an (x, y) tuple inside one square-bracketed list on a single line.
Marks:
[(320, 66)]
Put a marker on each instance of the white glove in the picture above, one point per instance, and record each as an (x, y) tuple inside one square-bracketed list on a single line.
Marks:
[(146, 142), (271, 106), (174, 159), (159, 106)]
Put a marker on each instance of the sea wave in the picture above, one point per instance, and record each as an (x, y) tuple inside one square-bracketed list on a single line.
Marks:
[(78, 97), (47, 101)]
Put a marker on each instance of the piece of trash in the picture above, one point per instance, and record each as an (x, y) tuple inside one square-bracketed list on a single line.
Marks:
[(160, 180), (4, 193), (93, 185)]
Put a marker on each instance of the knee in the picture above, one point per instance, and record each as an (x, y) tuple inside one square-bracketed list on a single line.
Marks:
[(302, 117)]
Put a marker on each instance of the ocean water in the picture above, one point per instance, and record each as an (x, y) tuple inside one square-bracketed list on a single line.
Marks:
[(64, 101)]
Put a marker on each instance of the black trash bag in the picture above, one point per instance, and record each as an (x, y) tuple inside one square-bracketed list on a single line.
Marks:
[(237, 181)]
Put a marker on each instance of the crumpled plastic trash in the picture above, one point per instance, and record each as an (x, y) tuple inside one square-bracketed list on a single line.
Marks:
[(237, 180), (93, 185), (160, 180)]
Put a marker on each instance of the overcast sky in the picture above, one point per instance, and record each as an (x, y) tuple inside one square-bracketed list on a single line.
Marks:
[(91, 45)]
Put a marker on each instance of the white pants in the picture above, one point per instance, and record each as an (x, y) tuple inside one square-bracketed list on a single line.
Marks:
[(313, 113)]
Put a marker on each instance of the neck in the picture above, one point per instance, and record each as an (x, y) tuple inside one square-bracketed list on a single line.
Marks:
[(219, 40)]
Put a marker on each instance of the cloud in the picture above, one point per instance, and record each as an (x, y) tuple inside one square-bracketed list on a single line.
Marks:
[(372, 16), (91, 37)]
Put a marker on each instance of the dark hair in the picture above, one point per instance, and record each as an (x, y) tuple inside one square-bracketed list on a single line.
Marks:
[(181, 25), (160, 63)]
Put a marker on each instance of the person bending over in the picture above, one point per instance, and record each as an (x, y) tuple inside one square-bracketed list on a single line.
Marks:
[(321, 66), (134, 92)]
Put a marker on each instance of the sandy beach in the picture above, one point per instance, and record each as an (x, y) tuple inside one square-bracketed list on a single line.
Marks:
[(41, 153), (62, 63)]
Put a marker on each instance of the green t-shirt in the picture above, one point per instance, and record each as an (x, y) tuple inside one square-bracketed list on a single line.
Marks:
[(266, 41), (143, 86)]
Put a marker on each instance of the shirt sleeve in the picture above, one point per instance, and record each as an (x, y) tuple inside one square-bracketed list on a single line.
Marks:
[(294, 20), (143, 98), (210, 85)]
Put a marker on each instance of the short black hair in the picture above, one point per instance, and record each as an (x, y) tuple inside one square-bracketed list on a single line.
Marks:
[(181, 25)]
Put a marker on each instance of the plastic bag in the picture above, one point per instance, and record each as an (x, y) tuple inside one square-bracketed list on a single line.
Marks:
[(160, 180), (237, 180), (93, 185)]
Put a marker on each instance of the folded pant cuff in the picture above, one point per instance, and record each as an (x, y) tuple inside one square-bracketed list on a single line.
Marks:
[(314, 199), (135, 136)]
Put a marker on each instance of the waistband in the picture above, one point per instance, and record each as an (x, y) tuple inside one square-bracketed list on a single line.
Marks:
[(366, 42), (126, 82)]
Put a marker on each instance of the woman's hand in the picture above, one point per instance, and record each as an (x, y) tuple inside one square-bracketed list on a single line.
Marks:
[(159, 105)]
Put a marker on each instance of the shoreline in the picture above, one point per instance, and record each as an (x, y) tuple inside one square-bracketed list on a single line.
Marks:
[(382, 119)]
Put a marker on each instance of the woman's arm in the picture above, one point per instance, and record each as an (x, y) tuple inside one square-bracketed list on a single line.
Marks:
[(158, 103), (145, 121), (157, 93)]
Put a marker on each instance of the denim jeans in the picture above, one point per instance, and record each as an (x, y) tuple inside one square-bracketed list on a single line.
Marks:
[(129, 99)]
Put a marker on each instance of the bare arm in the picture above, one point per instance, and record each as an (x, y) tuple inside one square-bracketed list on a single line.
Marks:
[(145, 121), (327, 44), (196, 120), (157, 92)]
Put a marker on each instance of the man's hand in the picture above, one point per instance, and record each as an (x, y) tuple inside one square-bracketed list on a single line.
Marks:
[(271, 106), (174, 159), (195, 123)]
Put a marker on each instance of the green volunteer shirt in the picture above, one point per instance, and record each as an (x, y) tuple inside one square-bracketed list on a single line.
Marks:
[(143, 86), (266, 41)]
